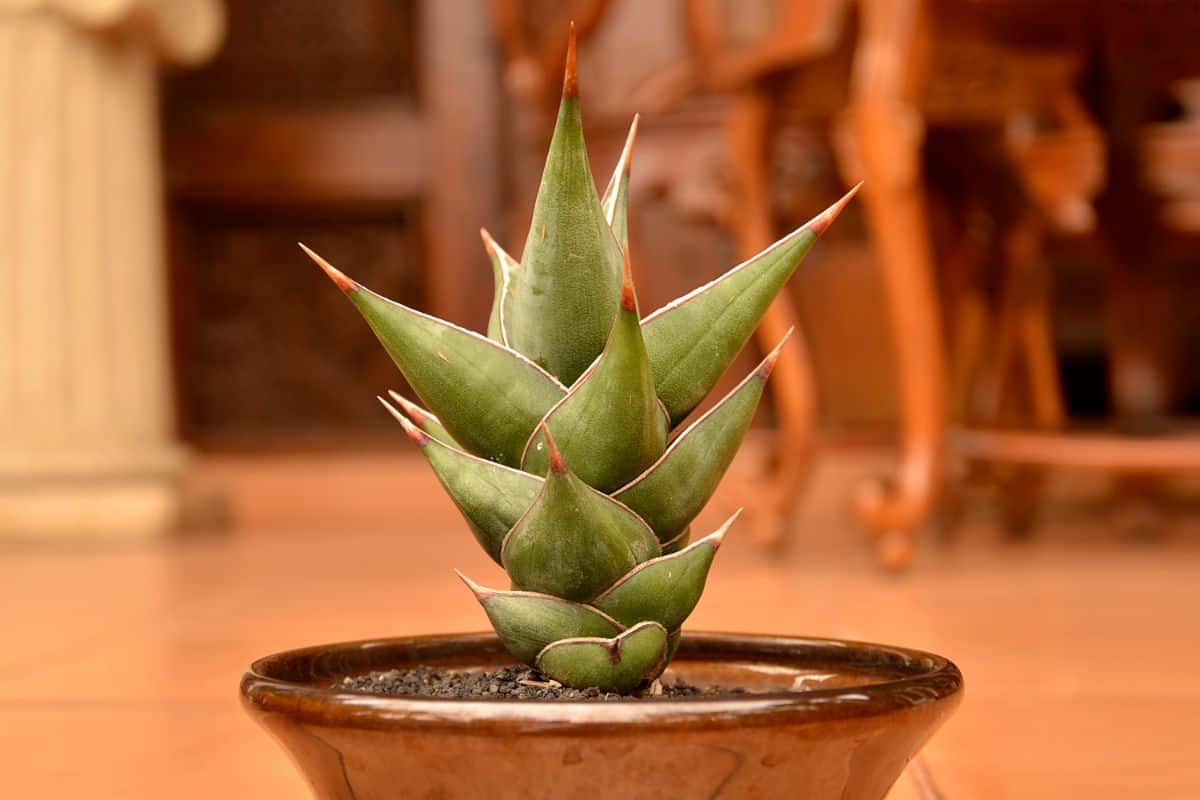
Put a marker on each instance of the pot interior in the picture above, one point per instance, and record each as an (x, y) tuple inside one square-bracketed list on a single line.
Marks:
[(751, 664)]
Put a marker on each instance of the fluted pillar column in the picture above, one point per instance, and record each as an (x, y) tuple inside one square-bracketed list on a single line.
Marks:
[(87, 443)]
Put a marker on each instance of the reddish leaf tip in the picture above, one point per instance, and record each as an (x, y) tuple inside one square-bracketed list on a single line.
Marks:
[(418, 414), (768, 364), (419, 437), (340, 280), (558, 464), (571, 70), (488, 242), (628, 295), (822, 221)]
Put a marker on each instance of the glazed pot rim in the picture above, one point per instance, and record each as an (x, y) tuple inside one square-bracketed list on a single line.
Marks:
[(283, 684)]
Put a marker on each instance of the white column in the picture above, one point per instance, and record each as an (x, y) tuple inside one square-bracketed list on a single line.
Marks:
[(87, 443)]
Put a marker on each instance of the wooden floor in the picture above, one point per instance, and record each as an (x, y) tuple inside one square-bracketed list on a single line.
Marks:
[(119, 667)]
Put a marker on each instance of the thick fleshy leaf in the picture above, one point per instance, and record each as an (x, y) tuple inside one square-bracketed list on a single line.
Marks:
[(505, 274), (574, 542), (616, 665), (615, 200), (427, 422), (610, 426), (694, 338), (461, 376), (673, 638), (674, 489), (664, 589), (528, 621), (491, 497), (566, 301)]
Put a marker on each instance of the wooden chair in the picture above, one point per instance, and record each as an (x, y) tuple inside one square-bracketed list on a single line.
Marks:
[(1003, 365), (805, 31), (897, 88)]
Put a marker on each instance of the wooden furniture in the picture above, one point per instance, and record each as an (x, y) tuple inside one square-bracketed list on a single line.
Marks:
[(895, 95), (367, 129), (806, 31), (1009, 70)]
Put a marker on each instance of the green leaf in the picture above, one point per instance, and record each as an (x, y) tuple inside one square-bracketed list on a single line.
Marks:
[(694, 338), (615, 200), (673, 638), (616, 665), (664, 589), (574, 541), (678, 543), (528, 621), (505, 274), (566, 301), (490, 496), (427, 422), (610, 426), (674, 489), (461, 376)]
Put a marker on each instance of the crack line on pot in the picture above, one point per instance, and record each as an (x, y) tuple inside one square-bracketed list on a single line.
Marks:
[(341, 760), (738, 761)]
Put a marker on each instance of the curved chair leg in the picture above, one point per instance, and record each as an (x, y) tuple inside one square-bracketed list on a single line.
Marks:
[(791, 385), (885, 134), (895, 509)]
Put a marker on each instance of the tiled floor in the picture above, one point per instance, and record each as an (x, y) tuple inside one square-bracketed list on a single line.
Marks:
[(119, 667)]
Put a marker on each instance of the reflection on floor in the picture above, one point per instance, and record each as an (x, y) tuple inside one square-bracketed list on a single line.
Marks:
[(119, 667)]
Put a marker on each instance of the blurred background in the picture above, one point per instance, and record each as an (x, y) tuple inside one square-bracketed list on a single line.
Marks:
[(979, 443)]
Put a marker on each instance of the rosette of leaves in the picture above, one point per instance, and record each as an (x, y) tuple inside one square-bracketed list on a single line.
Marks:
[(560, 433)]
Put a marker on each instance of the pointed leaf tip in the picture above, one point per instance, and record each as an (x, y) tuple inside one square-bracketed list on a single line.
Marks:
[(571, 71), (477, 590), (822, 221), (427, 422), (572, 540), (627, 151), (336, 275), (768, 364), (717, 537), (418, 414), (664, 589), (489, 243), (628, 295), (418, 436), (558, 464), (615, 200)]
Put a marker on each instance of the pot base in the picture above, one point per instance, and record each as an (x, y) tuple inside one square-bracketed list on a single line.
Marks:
[(822, 718)]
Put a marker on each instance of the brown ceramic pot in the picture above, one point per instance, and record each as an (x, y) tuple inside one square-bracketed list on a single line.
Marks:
[(821, 719)]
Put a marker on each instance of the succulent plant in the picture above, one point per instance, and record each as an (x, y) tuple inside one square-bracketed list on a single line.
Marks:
[(559, 435)]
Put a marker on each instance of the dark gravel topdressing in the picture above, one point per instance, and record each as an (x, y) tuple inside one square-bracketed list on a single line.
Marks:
[(506, 683)]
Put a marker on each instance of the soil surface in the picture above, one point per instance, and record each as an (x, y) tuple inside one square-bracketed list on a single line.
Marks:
[(507, 683)]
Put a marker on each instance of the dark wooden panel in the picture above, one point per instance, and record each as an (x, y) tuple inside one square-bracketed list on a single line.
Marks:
[(324, 123), (281, 52), (364, 156), (270, 351)]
